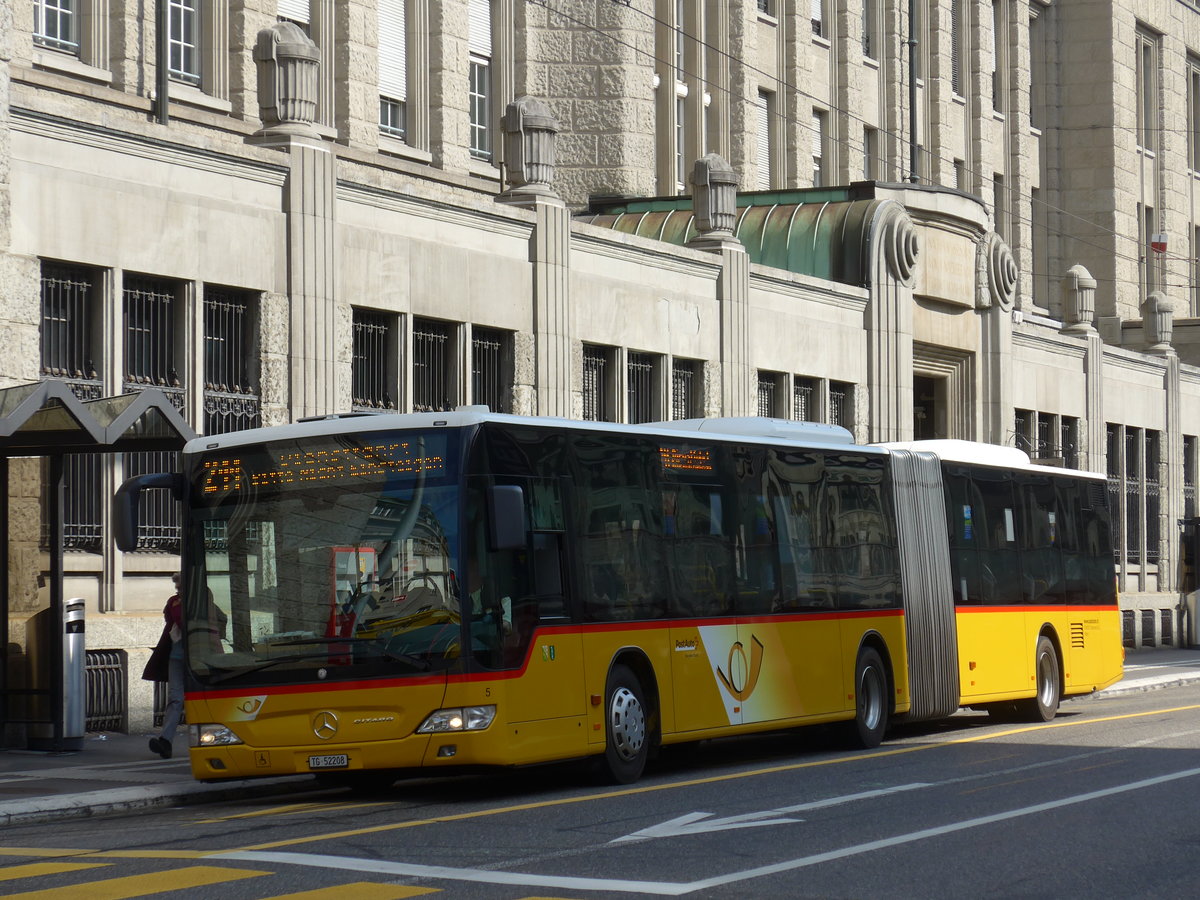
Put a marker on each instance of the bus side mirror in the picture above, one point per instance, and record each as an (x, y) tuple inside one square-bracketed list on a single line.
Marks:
[(506, 517), (127, 501)]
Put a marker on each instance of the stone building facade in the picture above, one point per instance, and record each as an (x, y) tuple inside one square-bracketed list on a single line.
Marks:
[(944, 228)]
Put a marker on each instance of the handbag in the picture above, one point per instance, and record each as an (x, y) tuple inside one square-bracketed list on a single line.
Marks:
[(158, 666)]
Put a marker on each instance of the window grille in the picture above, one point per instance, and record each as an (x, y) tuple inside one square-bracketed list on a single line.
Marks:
[(1147, 628), (1133, 505), (1068, 441), (683, 389), (1189, 475), (149, 306), (595, 384), (840, 412), (158, 526), (68, 317), (640, 386), (1113, 467), (371, 383), (183, 41), (1023, 430), (488, 383), (766, 394), (1153, 497), (1045, 429), (231, 400), (54, 24), (803, 393), (1128, 628), (431, 366)]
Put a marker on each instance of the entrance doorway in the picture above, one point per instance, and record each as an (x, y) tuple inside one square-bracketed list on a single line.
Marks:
[(929, 408)]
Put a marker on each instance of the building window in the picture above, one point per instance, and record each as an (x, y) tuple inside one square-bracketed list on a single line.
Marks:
[(685, 380), (766, 6), (999, 206), (1189, 475), (870, 153), (1152, 493), (998, 38), (818, 147), (1023, 426), (183, 41), (372, 375), (641, 395), (958, 46), (480, 98), (841, 406), (55, 24), (149, 306), (231, 399), (768, 393), (1193, 113), (490, 350), (766, 105), (597, 403), (1147, 92), (69, 315), (393, 73), (432, 358), (804, 398), (1068, 441), (295, 11), (1147, 274), (818, 18), (1038, 75), (868, 29)]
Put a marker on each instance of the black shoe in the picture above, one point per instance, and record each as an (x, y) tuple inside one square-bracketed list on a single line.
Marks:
[(161, 746)]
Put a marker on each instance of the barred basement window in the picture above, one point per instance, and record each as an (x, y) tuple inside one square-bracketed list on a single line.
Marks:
[(1113, 469), (489, 365), (1069, 441), (371, 384), (431, 366), (1023, 430), (640, 387), (231, 400), (1153, 496)]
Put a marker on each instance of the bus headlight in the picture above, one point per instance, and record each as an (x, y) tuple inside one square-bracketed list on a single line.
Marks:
[(463, 718), (211, 736)]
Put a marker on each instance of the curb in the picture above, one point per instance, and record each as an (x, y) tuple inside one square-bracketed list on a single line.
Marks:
[(121, 800)]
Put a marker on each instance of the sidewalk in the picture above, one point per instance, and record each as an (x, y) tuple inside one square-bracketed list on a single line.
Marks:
[(118, 773)]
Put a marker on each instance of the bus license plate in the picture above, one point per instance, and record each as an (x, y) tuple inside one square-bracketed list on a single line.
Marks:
[(333, 761)]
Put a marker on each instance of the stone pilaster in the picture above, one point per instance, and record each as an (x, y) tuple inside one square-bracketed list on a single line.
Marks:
[(890, 265)]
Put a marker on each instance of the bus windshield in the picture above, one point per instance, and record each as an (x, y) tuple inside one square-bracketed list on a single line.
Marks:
[(325, 559)]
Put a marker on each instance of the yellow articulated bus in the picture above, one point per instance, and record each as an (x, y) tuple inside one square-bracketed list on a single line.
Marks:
[(377, 594)]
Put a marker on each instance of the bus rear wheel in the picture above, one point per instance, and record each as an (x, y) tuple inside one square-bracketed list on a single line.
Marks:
[(1044, 705), (870, 700), (628, 739)]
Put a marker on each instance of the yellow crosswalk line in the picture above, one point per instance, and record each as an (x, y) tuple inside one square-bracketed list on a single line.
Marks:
[(363, 890), (141, 885), (32, 870)]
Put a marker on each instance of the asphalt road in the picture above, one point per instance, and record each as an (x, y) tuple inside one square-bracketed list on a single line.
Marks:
[(1102, 802)]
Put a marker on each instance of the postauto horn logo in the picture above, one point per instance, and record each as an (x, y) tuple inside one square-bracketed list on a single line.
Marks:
[(742, 677)]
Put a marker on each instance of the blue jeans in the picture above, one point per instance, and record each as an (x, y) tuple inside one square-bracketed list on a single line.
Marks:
[(174, 710)]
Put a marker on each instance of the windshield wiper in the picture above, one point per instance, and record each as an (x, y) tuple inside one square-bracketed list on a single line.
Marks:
[(415, 661)]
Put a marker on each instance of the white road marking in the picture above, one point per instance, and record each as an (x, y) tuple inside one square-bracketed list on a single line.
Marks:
[(700, 822), (675, 889)]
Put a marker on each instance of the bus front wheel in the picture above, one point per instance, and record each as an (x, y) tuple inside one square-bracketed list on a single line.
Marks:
[(628, 741), (870, 700), (1044, 705)]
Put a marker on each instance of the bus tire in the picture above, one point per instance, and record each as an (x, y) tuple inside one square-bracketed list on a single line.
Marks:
[(626, 727), (870, 700), (1044, 705)]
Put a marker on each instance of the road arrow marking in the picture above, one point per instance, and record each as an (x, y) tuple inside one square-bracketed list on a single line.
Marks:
[(701, 822)]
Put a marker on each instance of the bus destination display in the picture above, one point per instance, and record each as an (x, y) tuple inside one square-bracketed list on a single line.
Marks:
[(237, 473)]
